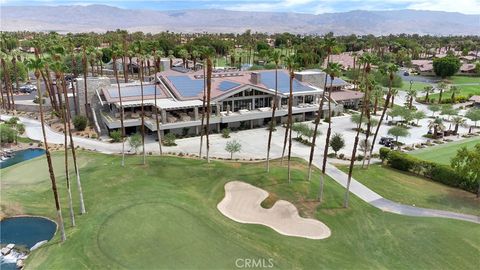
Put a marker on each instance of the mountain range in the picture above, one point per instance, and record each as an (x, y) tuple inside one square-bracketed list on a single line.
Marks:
[(101, 18)]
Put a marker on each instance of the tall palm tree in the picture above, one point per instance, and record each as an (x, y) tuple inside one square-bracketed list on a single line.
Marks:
[(412, 94), (57, 68), (442, 86), (454, 90), (328, 45), (427, 90), (85, 71), (391, 70), (393, 94), (117, 52), (36, 65), (158, 57), (204, 100), (333, 70), (209, 54), (140, 58), (275, 57), (6, 77), (290, 61), (368, 59), (377, 93)]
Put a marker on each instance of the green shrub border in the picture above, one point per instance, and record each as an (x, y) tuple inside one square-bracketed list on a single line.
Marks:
[(437, 172)]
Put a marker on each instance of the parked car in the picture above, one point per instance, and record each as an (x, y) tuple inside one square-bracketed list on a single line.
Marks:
[(385, 140), (28, 88)]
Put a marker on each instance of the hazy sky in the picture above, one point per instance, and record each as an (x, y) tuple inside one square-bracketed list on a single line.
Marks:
[(304, 6)]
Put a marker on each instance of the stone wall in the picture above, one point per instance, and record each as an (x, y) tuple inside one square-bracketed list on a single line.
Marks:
[(93, 84)]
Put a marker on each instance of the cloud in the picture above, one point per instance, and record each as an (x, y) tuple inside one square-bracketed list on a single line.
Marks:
[(463, 6)]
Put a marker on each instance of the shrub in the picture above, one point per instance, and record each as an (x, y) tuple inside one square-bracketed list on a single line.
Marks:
[(116, 135), (331, 155), (226, 133), (384, 151), (341, 156), (169, 139), (7, 134), (80, 122), (401, 161), (359, 157)]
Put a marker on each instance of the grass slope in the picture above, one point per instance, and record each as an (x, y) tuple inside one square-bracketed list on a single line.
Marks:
[(443, 153), (164, 216), (410, 189)]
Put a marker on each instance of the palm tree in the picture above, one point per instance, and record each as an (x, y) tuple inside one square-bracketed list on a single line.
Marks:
[(328, 45), (171, 57), (458, 121), (85, 71), (290, 61), (195, 54), (442, 86), (183, 53), (454, 90), (57, 68), (412, 94), (209, 52), (275, 57), (437, 125), (140, 58), (367, 59), (6, 76), (204, 99), (333, 70), (377, 93), (393, 94), (427, 90), (36, 65), (117, 52), (158, 56)]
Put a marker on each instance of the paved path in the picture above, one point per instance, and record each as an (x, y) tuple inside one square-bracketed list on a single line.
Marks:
[(190, 145)]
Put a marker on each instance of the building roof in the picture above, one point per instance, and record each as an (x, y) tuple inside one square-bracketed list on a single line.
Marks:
[(423, 65), (343, 95), (190, 85), (345, 59), (133, 92)]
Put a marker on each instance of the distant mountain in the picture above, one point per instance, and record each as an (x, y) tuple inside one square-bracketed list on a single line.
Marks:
[(100, 18)]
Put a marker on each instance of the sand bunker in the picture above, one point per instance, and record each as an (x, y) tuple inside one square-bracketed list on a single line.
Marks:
[(242, 204)]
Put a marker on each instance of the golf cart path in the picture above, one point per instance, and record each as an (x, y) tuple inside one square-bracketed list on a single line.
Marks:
[(242, 203), (34, 131)]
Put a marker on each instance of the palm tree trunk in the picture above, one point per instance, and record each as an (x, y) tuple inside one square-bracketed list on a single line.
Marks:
[(50, 92), (157, 121), (355, 145), (85, 67), (317, 122), (387, 100), (202, 126), (15, 73), (67, 174), (125, 72), (50, 165), (122, 126), (143, 113), (440, 97), (72, 145), (272, 121), (327, 142), (209, 89), (285, 139), (6, 79), (2, 99), (290, 105), (75, 102)]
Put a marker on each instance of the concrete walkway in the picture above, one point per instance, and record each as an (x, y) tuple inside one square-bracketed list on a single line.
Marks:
[(190, 145)]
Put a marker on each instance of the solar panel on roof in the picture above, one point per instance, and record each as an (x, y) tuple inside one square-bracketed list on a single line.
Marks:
[(226, 85), (186, 86), (268, 79), (133, 91)]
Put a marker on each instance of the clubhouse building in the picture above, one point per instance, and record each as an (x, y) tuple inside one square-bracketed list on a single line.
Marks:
[(239, 100)]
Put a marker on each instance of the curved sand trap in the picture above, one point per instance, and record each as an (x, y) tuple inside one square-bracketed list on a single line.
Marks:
[(242, 204)]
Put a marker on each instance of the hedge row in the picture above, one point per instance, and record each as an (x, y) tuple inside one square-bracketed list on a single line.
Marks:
[(437, 172)]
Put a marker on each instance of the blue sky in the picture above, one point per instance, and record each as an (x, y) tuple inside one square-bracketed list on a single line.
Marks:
[(302, 6)]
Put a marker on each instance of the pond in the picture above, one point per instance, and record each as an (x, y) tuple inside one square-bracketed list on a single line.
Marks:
[(24, 231), (21, 155)]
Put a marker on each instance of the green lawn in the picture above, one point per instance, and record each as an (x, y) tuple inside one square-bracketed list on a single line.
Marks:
[(410, 189), (164, 215), (444, 152), (464, 79), (416, 85)]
